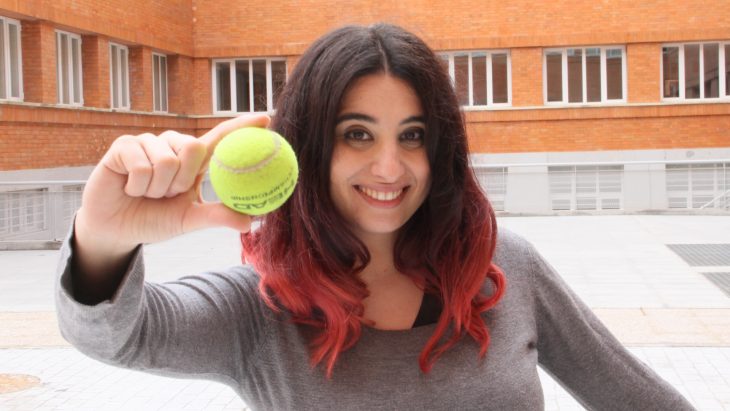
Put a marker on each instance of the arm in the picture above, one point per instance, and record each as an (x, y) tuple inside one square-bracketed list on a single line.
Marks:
[(203, 326), (579, 351)]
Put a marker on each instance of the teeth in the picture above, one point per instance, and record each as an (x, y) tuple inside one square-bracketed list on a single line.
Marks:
[(380, 195)]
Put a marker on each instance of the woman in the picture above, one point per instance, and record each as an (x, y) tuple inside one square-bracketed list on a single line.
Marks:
[(380, 285)]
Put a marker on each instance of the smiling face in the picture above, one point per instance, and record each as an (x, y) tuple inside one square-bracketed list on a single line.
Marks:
[(379, 173)]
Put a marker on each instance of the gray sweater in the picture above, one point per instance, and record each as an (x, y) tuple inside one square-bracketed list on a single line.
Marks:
[(216, 326)]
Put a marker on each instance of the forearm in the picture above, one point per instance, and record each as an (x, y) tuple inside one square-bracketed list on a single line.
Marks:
[(98, 264)]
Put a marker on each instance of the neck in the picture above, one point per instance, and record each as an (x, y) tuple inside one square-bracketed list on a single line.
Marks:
[(381, 264)]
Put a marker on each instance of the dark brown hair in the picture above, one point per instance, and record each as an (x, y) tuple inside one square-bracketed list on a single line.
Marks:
[(308, 259)]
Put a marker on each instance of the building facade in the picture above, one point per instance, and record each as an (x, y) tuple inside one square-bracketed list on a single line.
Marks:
[(571, 106)]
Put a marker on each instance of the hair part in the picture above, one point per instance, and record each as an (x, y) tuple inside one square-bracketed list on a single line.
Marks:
[(308, 260)]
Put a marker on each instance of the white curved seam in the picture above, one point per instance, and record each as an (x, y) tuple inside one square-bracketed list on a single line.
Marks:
[(255, 167)]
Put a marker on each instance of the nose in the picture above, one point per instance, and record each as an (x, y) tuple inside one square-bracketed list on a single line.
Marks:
[(387, 162)]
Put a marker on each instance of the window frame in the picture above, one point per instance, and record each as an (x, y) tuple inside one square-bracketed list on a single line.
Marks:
[(73, 99), (722, 58), (232, 76), (490, 78), (121, 74), (604, 77), (8, 69), (155, 88)]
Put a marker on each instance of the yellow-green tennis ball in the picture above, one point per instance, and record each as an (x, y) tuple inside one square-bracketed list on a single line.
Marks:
[(253, 170)]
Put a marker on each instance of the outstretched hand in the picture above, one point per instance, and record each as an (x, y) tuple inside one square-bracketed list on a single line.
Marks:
[(146, 189)]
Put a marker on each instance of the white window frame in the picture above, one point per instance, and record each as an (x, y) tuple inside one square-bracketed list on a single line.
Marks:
[(121, 74), (680, 72), (74, 100), (232, 71), (490, 85), (157, 89), (604, 77), (7, 22)]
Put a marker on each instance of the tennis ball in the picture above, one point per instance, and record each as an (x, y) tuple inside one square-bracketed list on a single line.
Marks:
[(253, 170)]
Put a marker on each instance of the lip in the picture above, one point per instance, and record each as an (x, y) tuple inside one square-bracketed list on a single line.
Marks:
[(382, 203)]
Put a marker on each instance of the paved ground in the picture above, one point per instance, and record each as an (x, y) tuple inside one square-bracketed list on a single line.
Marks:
[(665, 310)]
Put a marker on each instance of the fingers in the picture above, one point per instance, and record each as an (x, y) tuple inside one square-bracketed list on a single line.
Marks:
[(172, 163), (156, 166)]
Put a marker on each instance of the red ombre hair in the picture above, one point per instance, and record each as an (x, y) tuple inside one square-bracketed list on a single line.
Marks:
[(307, 258)]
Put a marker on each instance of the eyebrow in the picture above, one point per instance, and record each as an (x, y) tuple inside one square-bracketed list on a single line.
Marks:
[(369, 119)]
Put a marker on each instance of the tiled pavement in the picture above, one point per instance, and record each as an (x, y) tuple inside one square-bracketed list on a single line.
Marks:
[(669, 315)]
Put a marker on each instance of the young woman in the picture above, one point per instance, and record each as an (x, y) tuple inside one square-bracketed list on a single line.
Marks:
[(382, 283)]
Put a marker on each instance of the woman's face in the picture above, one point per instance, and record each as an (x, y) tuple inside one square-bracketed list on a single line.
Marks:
[(380, 173)]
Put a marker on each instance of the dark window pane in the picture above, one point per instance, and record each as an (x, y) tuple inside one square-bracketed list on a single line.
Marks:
[(278, 79), (479, 79), (711, 57), (3, 89), (670, 64), (575, 75), (727, 69), (156, 81), (499, 78), (223, 75), (593, 74), (64, 69), (692, 71), (461, 78), (163, 88), (259, 85), (76, 67), (242, 86), (14, 61), (614, 74), (554, 62)]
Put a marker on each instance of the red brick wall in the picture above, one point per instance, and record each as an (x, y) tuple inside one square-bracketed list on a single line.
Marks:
[(38, 43), (192, 32), (160, 24), (37, 137), (95, 69), (140, 75)]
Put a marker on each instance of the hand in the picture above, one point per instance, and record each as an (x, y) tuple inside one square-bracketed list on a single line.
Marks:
[(147, 189)]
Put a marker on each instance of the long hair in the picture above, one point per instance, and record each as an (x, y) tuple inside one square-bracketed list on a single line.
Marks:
[(307, 258)]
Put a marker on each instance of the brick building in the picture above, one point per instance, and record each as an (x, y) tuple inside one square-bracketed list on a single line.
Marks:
[(600, 106)]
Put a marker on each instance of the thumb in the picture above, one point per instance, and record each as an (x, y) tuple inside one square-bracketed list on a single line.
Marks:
[(208, 215)]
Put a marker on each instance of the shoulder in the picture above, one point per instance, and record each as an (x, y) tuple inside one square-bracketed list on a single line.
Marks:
[(513, 252)]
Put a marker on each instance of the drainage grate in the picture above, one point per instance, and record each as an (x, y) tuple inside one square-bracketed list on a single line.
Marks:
[(703, 254), (721, 280)]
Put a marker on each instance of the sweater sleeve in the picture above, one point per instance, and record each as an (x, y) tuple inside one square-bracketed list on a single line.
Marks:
[(201, 326), (585, 358)]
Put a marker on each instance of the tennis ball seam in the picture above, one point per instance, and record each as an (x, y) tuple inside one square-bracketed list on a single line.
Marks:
[(261, 164)]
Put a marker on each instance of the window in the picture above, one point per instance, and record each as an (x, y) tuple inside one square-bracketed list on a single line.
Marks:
[(586, 187), (247, 85), (159, 82), (584, 75), (119, 75), (698, 185), (494, 182), (68, 68), (23, 211), (11, 79), (696, 71), (480, 78)]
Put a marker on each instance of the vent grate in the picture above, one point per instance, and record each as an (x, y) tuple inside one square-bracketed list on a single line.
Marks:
[(703, 254)]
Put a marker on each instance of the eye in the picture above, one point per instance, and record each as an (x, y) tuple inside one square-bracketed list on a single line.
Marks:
[(413, 137), (357, 135)]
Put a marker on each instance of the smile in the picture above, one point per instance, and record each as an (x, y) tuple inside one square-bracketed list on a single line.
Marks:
[(380, 195)]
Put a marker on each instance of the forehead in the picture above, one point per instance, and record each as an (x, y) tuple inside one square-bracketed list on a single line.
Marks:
[(381, 93)]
